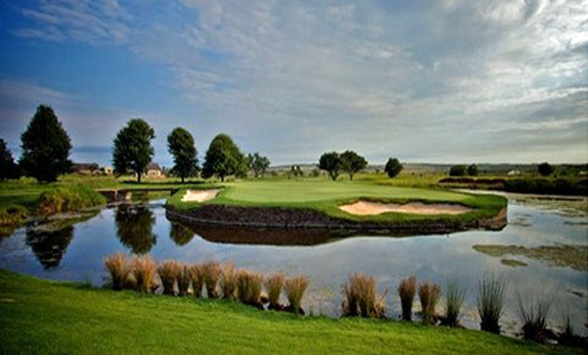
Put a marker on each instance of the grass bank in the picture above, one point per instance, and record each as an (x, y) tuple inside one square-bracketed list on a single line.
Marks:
[(38, 316)]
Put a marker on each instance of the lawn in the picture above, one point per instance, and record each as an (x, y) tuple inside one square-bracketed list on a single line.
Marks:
[(38, 316)]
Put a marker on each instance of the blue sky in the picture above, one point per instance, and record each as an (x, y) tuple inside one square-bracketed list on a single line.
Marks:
[(426, 81)]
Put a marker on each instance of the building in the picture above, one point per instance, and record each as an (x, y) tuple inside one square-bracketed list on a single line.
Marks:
[(85, 168), (154, 171), (107, 170)]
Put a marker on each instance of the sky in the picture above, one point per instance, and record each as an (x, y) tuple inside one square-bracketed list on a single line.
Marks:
[(447, 81)]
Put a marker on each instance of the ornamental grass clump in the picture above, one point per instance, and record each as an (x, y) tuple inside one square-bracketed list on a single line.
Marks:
[(429, 294), (360, 297), (533, 312), (144, 269), (212, 272), (295, 288), (196, 274), (249, 286), (119, 270), (169, 273), (227, 281), (454, 298), (407, 291), (491, 297), (184, 279), (274, 284)]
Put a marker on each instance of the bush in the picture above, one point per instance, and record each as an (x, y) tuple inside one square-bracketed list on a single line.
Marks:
[(197, 276), (273, 285), (472, 170), (169, 273), (295, 288), (534, 313), (491, 296), (458, 170), (393, 167), (455, 296), (429, 294), (119, 270), (68, 199), (545, 169), (13, 215), (249, 285), (212, 272), (406, 291), (144, 270), (227, 281)]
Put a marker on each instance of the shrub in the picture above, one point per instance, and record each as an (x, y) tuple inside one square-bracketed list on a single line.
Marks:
[(119, 270), (144, 270), (169, 273), (249, 285), (295, 288), (184, 280), (274, 284), (13, 215), (69, 198), (429, 294), (227, 281), (472, 170), (197, 276), (212, 272), (406, 291), (393, 167), (491, 296), (545, 169), (458, 170), (534, 312), (455, 295)]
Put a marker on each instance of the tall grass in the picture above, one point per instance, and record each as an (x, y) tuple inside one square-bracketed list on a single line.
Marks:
[(227, 281), (274, 284), (360, 296), (169, 273), (491, 296), (249, 285), (454, 298), (295, 288), (407, 291), (533, 312), (69, 198), (429, 294), (184, 279), (197, 276), (212, 272), (119, 270), (144, 269)]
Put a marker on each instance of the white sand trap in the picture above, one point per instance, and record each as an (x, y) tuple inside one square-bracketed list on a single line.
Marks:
[(199, 195), (371, 208)]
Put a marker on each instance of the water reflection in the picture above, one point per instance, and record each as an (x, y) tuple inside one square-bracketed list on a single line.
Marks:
[(180, 234), (49, 246), (134, 228)]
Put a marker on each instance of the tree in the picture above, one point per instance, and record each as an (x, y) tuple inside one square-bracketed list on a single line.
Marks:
[(352, 163), (180, 144), (393, 167), (457, 170), (224, 158), (45, 146), (545, 169), (8, 168), (331, 163), (473, 170), (132, 148), (258, 164)]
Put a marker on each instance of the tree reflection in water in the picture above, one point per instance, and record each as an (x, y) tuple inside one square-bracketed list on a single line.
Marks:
[(49, 246), (134, 226), (180, 235)]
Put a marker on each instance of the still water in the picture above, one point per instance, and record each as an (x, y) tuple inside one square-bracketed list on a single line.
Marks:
[(76, 253)]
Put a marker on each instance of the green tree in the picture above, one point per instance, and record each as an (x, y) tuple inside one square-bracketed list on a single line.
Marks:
[(331, 163), (258, 163), (352, 163), (45, 146), (545, 169), (473, 170), (223, 158), (180, 144), (393, 167), (458, 170), (132, 148), (8, 168)]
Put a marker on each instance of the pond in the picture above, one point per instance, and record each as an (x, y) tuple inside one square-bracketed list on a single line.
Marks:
[(543, 249)]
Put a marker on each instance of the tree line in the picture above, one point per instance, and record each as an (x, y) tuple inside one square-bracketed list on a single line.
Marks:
[(351, 163)]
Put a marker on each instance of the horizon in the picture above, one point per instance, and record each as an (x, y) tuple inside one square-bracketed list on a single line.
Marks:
[(450, 82)]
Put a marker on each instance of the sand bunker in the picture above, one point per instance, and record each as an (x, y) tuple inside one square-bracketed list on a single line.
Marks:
[(199, 195), (372, 208)]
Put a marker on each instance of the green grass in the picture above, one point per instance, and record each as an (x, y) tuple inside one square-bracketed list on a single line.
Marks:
[(38, 316)]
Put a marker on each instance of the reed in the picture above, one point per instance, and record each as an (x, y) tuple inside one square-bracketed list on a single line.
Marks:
[(455, 295), (196, 274), (184, 279), (144, 270), (227, 281), (295, 288), (429, 294), (249, 285), (407, 291), (169, 273), (118, 269), (491, 296), (533, 311), (212, 272), (274, 284)]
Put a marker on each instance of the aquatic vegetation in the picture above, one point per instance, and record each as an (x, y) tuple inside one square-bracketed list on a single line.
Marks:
[(212, 272), (196, 273), (533, 311), (429, 295), (119, 270), (407, 291), (228, 283), (168, 273), (295, 288), (361, 298), (183, 280), (249, 286), (144, 270), (491, 295), (274, 284), (454, 297)]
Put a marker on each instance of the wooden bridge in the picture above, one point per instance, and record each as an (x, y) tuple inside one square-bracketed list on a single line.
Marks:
[(126, 194)]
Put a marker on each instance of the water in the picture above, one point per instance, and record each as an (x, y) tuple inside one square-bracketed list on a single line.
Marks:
[(77, 252)]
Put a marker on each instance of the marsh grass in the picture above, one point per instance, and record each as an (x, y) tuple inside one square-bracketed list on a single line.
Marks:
[(212, 273), (196, 274), (144, 270), (274, 284), (169, 273), (429, 295), (491, 297), (454, 297), (360, 297), (407, 291), (249, 285), (184, 279), (228, 283), (533, 311), (295, 288), (119, 269)]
